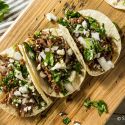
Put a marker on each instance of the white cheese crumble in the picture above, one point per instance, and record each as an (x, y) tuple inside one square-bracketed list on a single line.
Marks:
[(51, 17), (61, 52)]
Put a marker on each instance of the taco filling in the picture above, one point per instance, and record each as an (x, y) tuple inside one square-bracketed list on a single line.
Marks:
[(17, 87), (56, 62), (91, 39)]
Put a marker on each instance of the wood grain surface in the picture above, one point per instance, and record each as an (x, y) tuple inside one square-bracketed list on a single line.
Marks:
[(110, 87)]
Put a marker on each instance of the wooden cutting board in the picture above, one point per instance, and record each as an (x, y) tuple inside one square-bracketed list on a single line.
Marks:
[(110, 87)]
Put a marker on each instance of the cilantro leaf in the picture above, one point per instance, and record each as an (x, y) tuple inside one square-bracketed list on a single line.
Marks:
[(4, 8), (63, 22), (66, 121), (72, 14), (49, 58), (100, 105), (88, 54)]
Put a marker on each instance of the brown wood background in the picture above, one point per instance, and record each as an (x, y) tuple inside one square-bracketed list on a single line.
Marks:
[(109, 87)]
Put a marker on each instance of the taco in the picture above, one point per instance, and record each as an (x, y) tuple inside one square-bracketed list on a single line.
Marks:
[(96, 38), (18, 95), (119, 4), (59, 71)]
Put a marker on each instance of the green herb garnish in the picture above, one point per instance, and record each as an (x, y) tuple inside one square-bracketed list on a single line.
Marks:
[(63, 22), (30, 51), (37, 34), (4, 8), (88, 54), (66, 121), (72, 14), (100, 105), (77, 67), (49, 58)]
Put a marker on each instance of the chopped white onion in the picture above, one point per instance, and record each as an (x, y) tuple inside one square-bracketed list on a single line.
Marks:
[(11, 60), (82, 41), (59, 65), (95, 36), (47, 49), (84, 24), (18, 75), (106, 65), (38, 67), (42, 74), (54, 48), (69, 51), (23, 89), (43, 55), (17, 56), (51, 17), (17, 93), (61, 52)]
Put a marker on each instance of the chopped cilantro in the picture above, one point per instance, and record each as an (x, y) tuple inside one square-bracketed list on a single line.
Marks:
[(88, 54), (100, 105), (66, 121), (37, 34), (30, 51), (63, 22), (4, 8), (72, 14), (77, 67), (49, 58)]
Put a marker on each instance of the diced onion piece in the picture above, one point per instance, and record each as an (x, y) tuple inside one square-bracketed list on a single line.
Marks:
[(84, 24), (106, 65), (72, 76), (17, 93), (69, 87), (82, 41), (61, 52), (38, 67), (95, 36), (17, 56), (47, 49), (18, 75), (23, 89), (43, 55), (77, 27), (59, 65), (42, 74), (51, 17), (54, 48), (70, 52)]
